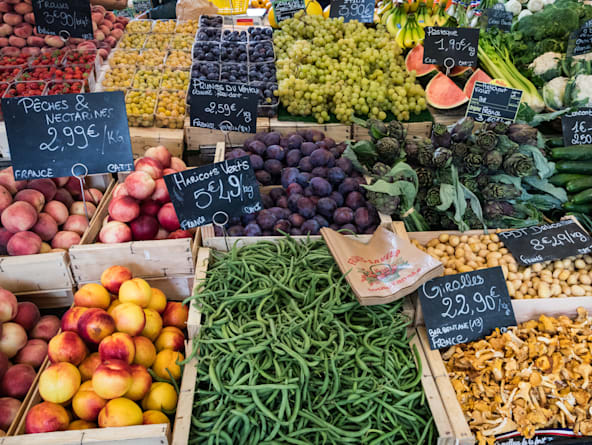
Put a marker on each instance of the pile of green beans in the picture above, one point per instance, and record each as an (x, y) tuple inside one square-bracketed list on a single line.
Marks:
[(288, 356)]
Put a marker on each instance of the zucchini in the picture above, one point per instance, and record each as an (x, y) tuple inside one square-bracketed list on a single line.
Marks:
[(573, 152), (584, 197), (578, 185), (579, 208), (561, 179), (583, 167)]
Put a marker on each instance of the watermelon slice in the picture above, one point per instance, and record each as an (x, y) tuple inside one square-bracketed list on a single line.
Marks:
[(414, 61), (460, 71), (478, 76), (442, 93)]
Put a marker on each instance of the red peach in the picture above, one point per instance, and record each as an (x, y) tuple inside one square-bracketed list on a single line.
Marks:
[(58, 211), (168, 171), (27, 314), (162, 233), (94, 325), (60, 182), (7, 180), (144, 227), (59, 382), (19, 216), (178, 164), (87, 404), (45, 186), (150, 207), (161, 154), (89, 365), (113, 378), (129, 318), (114, 276), (92, 295), (93, 195), (46, 417), (115, 232), (65, 239), (4, 364), (33, 197), (118, 346), (17, 381), (151, 166), (73, 186), (120, 191), (145, 351), (78, 208), (175, 314), (64, 196), (24, 243), (177, 234), (33, 353), (141, 382), (13, 339), (161, 193), (8, 305), (5, 198), (67, 347), (5, 236), (124, 209), (47, 328), (140, 185), (168, 218), (71, 317), (170, 338), (77, 224), (8, 409), (46, 227)]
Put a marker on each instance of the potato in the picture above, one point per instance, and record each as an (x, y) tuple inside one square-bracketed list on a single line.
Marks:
[(12, 19)]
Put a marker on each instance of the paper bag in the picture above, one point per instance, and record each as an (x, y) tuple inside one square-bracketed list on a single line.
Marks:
[(192, 9), (384, 270)]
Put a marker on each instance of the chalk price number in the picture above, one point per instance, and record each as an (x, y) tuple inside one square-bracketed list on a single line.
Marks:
[(71, 133), (355, 9), (559, 239), (64, 18), (483, 303), (235, 188), (456, 45), (226, 110), (581, 133)]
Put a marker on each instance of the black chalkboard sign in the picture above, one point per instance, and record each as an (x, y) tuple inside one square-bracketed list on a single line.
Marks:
[(223, 106), (547, 242), (65, 18), (450, 47), (499, 18), (285, 9), (142, 5), (580, 41), (360, 10), (494, 103), (68, 135), (555, 436), (464, 307), (577, 127), (214, 193)]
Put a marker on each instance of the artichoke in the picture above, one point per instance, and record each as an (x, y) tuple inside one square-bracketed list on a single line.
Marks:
[(388, 150), (471, 219), (395, 129), (441, 136), (498, 127), (463, 129), (442, 157), (486, 140), (444, 176), (380, 169), (425, 155), (433, 197), (523, 134), (459, 149), (470, 182), (376, 129), (495, 191), (473, 162), (519, 165), (432, 217), (425, 177), (496, 209), (493, 160), (384, 203), (482, 180)]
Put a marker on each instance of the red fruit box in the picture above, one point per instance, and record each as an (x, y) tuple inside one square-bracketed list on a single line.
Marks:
[(83, 57), (47, 58), (43, 73), (64, 87), (9, 61), (85, 73), (9, 74), (24, 88)]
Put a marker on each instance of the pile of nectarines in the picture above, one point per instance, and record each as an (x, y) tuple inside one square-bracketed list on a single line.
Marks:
[(119, 345), (24, 342)]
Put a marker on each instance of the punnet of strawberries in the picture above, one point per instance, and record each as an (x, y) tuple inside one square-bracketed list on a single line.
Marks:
[(13, 60), (9, 74), (64, 88), (80, 57), (22, 89)]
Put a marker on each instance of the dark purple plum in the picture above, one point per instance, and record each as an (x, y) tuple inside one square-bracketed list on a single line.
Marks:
[(305, 165), (294, 188), (345, 165), (282, 202), (249, 217), (266, 201), (338, 198), (266, 219), (252, 229), (306, 207), (335, 175), (247, 142), (296, 220), (293, 202), (326, 207), (362, 217), (237, 230), (314, 199), (320, 157), (267, 233), (294, 141), (307, 148), (349, 228), (320, 187), (355, 200), (334, 226), (256, 162), (304, 178), (335, 152), (275, 152), (348, 185), (342, 215), (293, 158), (310, 227), (295, 231), (257, 147), (283, 213), (360, 180), (283, 225), (277, 212), (370, 230), (308, 192), (328, 143), (263, 177), (322, 221), (341, 147), (356, 174), (321, 172), (289, 176), (234, 221), (276, 193), (218, 231), (273, 167), (284, 141), (260, 136), (316, 135), (236, 153), (272, 138)]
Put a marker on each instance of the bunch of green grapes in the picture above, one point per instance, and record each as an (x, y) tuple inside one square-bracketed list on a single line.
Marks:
[(327, 66)]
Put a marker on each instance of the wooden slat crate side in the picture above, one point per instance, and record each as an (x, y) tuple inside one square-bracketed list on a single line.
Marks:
[(201, 269), (31, 273), (182, 424), (196, 137), (49, 299), (337, 132), (144, 138), (421, 129)]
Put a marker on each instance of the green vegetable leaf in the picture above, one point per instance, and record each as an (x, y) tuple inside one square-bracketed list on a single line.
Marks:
[(545, 186), (544, 167), (507, 179), (350, 154), (447, 196), (527, 115)]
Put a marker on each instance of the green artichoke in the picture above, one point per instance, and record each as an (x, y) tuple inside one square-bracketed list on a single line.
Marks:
[(442, 157), (459, 149), (380, 169), (496, 209), (498, 127), (523, 134), (486, 140), (473, 162), (470, 182), (412, 146), (425, 155), (519, 165), (495, 191), (493, 160), (432, 217), (395, 129), (463, 129), (441, 136), (433, 197), (384, 203), (471, 219), (388, 150), (376, 129), (425, 176)]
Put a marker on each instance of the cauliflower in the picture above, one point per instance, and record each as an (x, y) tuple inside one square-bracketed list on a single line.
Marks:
[(514, 7), (547, 65), (548, 2), (582, 93), (524, 13), (554, 92), (535, 5)]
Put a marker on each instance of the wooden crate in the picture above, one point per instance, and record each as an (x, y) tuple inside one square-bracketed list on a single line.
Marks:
[(421, 129), (197, 137), (337, 132), (144, 138)]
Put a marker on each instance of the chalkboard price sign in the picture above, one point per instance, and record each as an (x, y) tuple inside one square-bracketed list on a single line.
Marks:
[(360, 10), (214, 193), (499, 18), (65, 18), (494, 103), (465, 307), (547, 242), (450, 47), (223, 106), (68, 135), (577, 127), (580, 41), (285, 9)]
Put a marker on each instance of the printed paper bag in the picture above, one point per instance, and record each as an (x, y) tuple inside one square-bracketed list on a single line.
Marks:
[(385, 269), (192, 9)]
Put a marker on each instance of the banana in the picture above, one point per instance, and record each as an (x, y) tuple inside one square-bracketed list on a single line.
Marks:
[(422, 15), (396, 20), (384, 8), (411, 34)]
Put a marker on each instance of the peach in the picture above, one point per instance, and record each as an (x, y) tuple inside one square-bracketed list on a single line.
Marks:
[(151, 166), (5, 236), (46, 227), (124, 209), (5, 198), (113, 305), (175, 314), (46, 417), (81, 425), (89, 365), (17, 381), (136, 291), (19, 216), (141, 382), (65, 239), (27, 314), (161, 397), (47, 327), (58, 211), (120, 412), (45, 248), (59, 382), (178, 234), (118, 346), (153, 417), (13, 339), (178, 164), (86, 404), (113, 378), (94, 325), (33, 197), (64, 196), (93, 195), (140, 185), (120, 191), (168, 171), (7, 180), (76, 223), (8, 305), (92, 295), (115, 232), (67, 347), (114, 276), (161, 154), (129, 318), (158, 301), (33, 353), (153, 324), (60, 182), (78, 208), (170, 338), (45, 186), (145, 351), (162, 234), (168, 218), (24, 243), (161, 193), (71, 317), (8, 409), (166, 362), (149, 207), (144, 227)]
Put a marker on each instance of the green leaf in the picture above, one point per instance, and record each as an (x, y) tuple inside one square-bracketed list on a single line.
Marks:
[(447, 195), (545, 186), (526, 115), (544, 167), (404, 189), (350, 154), (475, 205), (402, 171), (507, 179)]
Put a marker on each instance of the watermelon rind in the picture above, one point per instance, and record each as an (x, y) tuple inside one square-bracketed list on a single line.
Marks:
[(442, 93), (478, 76), (414, 61)]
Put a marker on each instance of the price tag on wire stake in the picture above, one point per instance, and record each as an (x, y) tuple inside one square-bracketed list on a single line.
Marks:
[(360, 10), (577, 127), (68, 135), (64, 18), (580, 41), (450, 47), (499, 18), (494, 103), (285, 9)]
